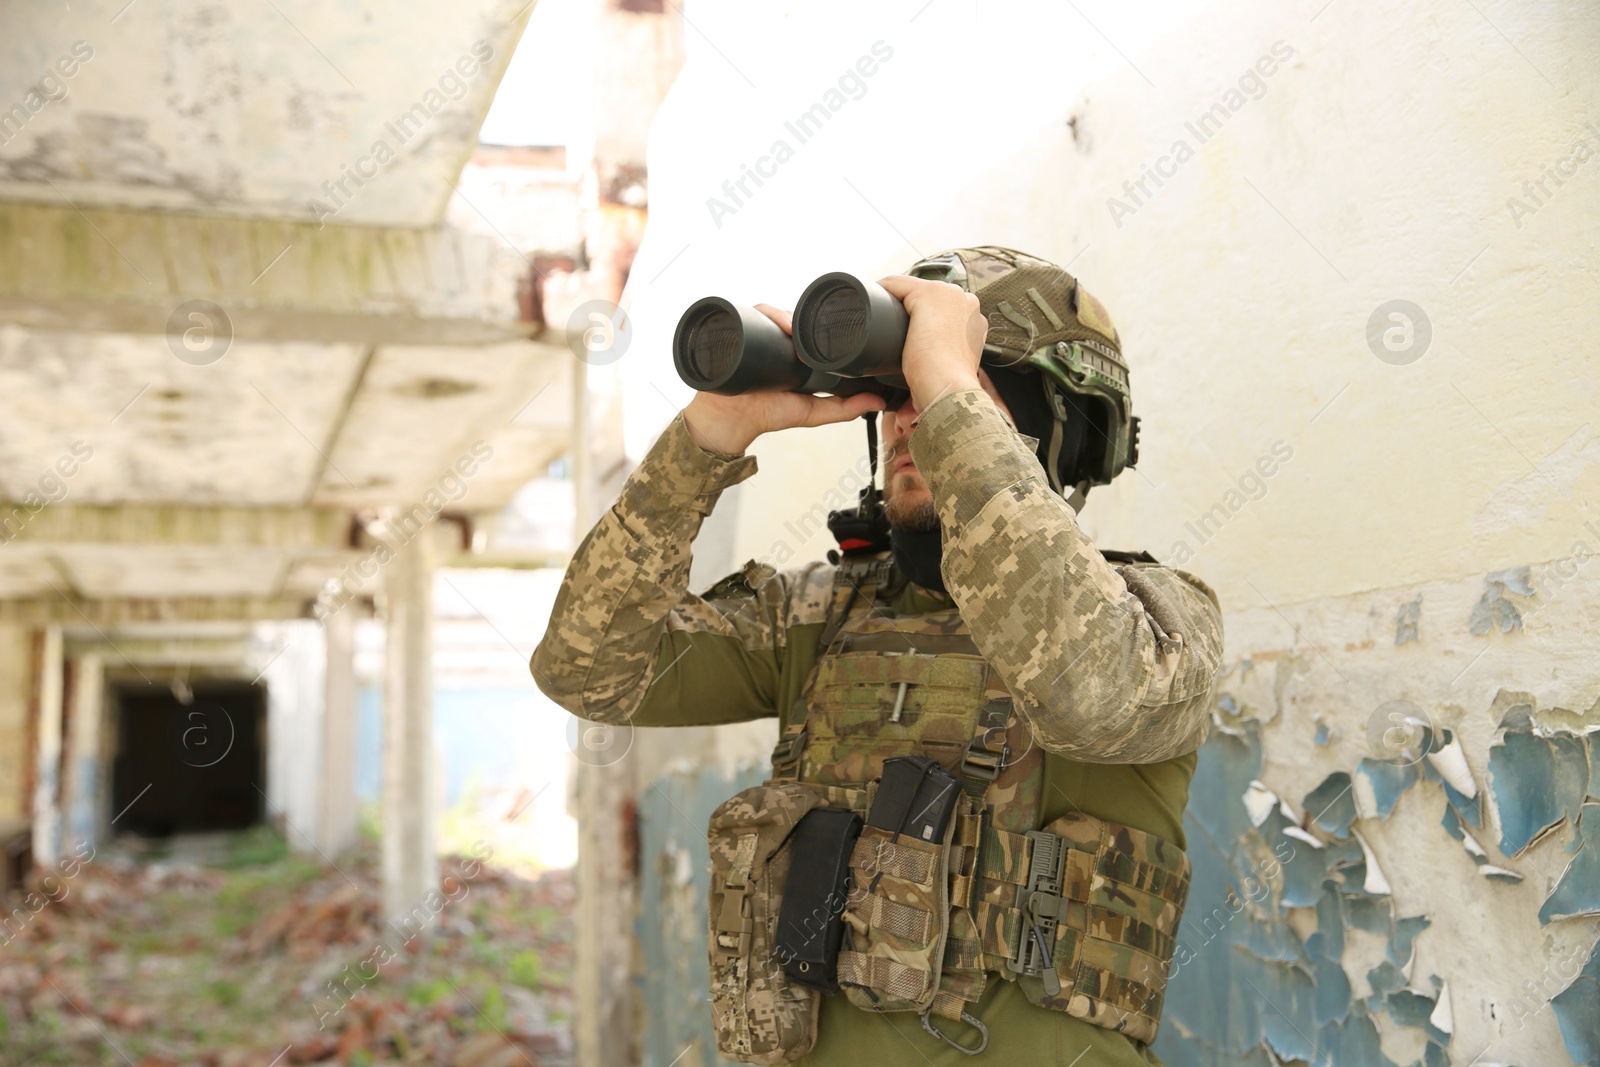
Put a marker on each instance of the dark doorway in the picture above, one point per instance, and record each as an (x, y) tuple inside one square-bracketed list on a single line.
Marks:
[(185, 768)]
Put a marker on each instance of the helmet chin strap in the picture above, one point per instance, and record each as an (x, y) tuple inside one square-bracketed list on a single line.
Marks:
[(1080, 493), (872, 446), (1052, 467)]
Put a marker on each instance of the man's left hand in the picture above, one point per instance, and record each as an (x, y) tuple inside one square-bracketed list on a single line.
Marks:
[(944, 341)]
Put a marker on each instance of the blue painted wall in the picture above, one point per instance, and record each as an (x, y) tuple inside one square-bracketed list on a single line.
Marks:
[(674, 881)]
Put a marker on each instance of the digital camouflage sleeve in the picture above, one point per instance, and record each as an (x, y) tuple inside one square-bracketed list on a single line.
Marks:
[(627, 642), (1109, 664)]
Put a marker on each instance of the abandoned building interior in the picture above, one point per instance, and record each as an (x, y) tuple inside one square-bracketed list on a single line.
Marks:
[(305, 417)]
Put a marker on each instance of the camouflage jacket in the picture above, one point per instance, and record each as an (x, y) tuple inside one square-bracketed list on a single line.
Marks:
[(1108, 664)]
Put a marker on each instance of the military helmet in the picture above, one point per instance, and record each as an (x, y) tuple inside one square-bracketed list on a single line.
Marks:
[(1041, 320)]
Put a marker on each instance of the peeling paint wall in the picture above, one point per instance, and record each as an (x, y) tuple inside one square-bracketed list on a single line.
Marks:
[(1291, 902), (1448, 776)]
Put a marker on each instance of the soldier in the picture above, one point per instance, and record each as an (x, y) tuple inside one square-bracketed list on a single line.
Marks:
[(1067, 688)]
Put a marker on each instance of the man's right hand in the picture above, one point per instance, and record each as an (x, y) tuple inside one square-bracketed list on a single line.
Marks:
[(728, 424)]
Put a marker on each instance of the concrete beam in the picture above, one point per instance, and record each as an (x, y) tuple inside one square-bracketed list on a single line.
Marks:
[(35, 522), (125, 611), (108, 271), (312, 529), (510, 561), (203, 653)]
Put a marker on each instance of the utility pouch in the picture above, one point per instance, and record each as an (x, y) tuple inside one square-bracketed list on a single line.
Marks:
[(1098, 922), (898, 916), (811, 916), (758, 1013)]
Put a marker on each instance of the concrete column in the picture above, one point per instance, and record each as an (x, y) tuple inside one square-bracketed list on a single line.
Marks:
[(602, 798), (337, 822), (16, 688), (47, 751), (80, 793), (293, 680), (410, 868)]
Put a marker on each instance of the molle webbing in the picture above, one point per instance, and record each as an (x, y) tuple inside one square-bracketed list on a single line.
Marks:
[(1095, 941), (854, 580), (1117, 912)]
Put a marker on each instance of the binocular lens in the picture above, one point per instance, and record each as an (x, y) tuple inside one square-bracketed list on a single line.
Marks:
[(847, 334), (723, 348), (847, 326), (713, 344), (838, 324)]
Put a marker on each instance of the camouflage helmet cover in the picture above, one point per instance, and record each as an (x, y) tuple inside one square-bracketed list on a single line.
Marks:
[(1041, 318)]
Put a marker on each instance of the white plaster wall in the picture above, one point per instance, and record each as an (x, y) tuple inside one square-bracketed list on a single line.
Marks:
[(1374, 164), (1391, 141)]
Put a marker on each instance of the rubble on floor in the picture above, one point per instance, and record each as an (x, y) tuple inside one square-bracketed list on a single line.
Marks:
[(226, 951)]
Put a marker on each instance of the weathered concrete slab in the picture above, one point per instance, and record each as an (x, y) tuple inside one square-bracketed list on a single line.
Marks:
[(110, 271), (451, 422), (250, 109), (117, 418)]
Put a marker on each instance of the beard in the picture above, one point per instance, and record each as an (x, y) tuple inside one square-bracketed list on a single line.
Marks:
[(914, 534), (909, 513)]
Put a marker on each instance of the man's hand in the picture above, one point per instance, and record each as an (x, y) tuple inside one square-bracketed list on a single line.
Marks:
[(945, 339), (727, 424)]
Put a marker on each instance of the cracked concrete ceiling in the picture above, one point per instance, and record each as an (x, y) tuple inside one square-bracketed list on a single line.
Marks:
[(249, 108), (283, 170)]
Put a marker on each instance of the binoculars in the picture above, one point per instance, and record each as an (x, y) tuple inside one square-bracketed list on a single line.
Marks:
[(848, 335)]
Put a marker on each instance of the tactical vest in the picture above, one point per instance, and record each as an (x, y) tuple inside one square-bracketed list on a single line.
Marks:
[(1099, 948)]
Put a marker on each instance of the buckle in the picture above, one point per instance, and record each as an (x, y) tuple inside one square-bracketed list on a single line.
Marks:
[(1040, 904), (860, 571), (734, 919), (983, 764), (788, 749)]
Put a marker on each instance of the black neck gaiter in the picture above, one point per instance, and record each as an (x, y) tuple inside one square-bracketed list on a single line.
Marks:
[(917, 556)]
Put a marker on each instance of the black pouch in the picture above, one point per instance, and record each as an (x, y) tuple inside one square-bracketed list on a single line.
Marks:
[(915, 797), (810, 916)]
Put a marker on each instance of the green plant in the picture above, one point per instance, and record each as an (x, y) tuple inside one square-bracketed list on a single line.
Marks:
[(526, 970), (255, 847), (225, 993), (427, 994), (493, 1009)]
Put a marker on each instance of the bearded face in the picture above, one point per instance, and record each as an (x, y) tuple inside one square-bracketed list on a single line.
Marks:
[(907, 501)]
